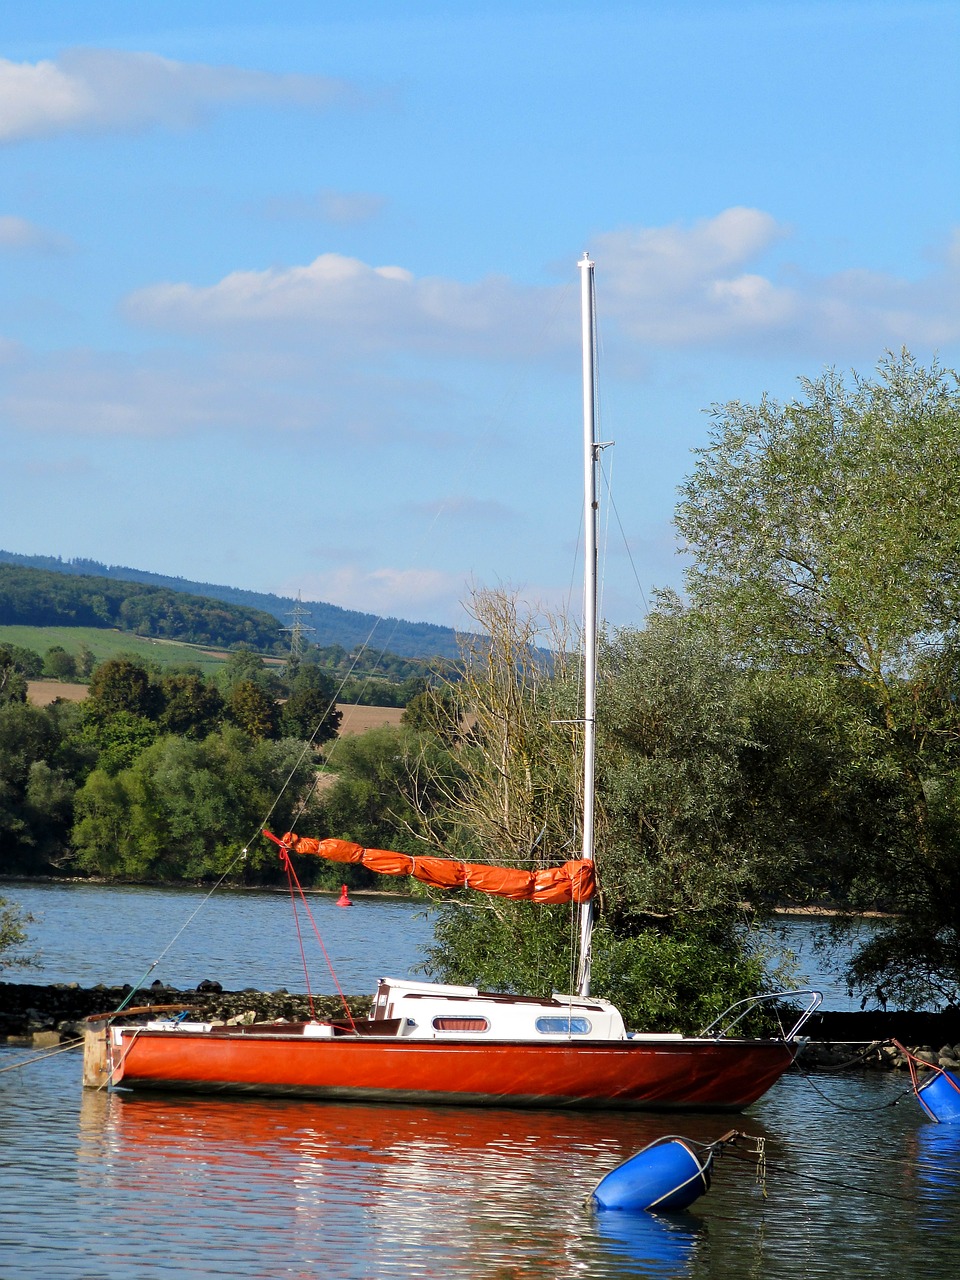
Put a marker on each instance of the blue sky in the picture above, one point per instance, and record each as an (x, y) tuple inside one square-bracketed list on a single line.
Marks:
[(288, 291)]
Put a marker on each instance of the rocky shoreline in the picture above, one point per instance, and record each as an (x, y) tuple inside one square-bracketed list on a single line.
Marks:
[(44, 1016)]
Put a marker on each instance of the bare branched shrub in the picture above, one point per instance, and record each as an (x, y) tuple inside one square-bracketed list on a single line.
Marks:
[(516, 798)]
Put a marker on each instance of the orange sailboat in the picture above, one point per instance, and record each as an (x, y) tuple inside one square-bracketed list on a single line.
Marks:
[(438, 1043)]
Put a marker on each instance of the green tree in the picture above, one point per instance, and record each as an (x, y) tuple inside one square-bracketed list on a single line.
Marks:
[(116, 739), (243, 664), (123, 685), (191, 810), (437, 710), (191, 705), (310, 711), (253, 710), (13, 935), (825, 539), (58, 664), (13, 684), (36, 786), (26, 661)]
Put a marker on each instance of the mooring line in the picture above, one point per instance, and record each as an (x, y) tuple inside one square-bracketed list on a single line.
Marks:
[(880, 1106), (42, 1055), (828, 1182)]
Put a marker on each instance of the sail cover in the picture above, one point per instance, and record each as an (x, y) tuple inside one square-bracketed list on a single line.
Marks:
[(571, 882)]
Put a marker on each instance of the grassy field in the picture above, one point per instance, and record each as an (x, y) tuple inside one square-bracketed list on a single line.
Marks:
[(106, 643)]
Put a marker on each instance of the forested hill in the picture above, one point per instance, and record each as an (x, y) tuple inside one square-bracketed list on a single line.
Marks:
[(39, 598), (330, 624)]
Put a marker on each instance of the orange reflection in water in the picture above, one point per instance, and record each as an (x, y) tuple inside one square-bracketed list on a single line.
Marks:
[(466, 1192)]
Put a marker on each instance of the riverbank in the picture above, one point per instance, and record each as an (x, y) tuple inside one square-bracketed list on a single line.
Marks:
[(43, 1016)]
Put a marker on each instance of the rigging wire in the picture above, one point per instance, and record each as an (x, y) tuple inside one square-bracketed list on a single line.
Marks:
[(138, 985), (296, 889), (608, 488)]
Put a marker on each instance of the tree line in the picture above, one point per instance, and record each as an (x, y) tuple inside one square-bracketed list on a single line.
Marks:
[(38, 598), (160, 773)]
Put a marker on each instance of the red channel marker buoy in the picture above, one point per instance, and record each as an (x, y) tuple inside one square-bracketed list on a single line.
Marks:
[(343, 900)]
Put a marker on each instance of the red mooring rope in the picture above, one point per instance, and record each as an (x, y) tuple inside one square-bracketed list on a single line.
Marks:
[(295, 888)]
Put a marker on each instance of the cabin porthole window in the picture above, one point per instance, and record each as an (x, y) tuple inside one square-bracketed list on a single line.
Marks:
[(460, 1024), (563, 1026)]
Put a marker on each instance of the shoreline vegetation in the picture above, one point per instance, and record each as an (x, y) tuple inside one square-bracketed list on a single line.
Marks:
[(172, 770)]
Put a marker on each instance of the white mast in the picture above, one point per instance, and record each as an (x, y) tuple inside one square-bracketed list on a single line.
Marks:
[(591, 456)]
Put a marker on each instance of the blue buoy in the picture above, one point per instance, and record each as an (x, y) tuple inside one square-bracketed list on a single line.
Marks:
[(668, 1175), (939, 1094), (940, 1097)]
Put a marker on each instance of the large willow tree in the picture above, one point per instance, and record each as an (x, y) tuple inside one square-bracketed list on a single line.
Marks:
[(825, 539)]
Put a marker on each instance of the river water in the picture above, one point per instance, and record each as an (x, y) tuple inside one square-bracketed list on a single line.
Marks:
[(858, 1182), (90, 933)]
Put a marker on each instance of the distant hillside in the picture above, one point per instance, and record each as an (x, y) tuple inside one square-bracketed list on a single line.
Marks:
[(330, 624), (41, 598)]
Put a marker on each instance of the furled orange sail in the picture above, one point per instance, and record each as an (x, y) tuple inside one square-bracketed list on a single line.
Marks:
[(571, 882)]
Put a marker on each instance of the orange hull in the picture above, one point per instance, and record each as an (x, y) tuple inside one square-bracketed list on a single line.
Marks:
[(723, 1075)]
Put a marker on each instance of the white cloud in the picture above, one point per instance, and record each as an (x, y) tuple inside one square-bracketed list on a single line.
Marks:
[(364, 307), (661, 287), (106, 89), (675, 286), (339, 347), (387, 592), (19, 235), (703, 285)]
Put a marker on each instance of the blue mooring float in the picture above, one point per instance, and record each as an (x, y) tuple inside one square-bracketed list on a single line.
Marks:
[(666, 1176), (939, 1094), (940, 1097)]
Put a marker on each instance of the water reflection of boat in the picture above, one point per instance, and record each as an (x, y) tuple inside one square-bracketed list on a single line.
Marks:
[(271, 1128), (374, 1184), (434, 1043)]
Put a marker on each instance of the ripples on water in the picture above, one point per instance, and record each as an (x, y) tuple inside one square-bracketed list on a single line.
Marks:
[(97, 1185), (90, 933)]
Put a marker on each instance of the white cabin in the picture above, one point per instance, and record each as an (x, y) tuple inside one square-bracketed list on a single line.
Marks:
[(435, 1011)]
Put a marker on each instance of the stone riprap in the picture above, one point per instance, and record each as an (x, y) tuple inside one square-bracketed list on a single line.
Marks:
[(34, 1014)]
